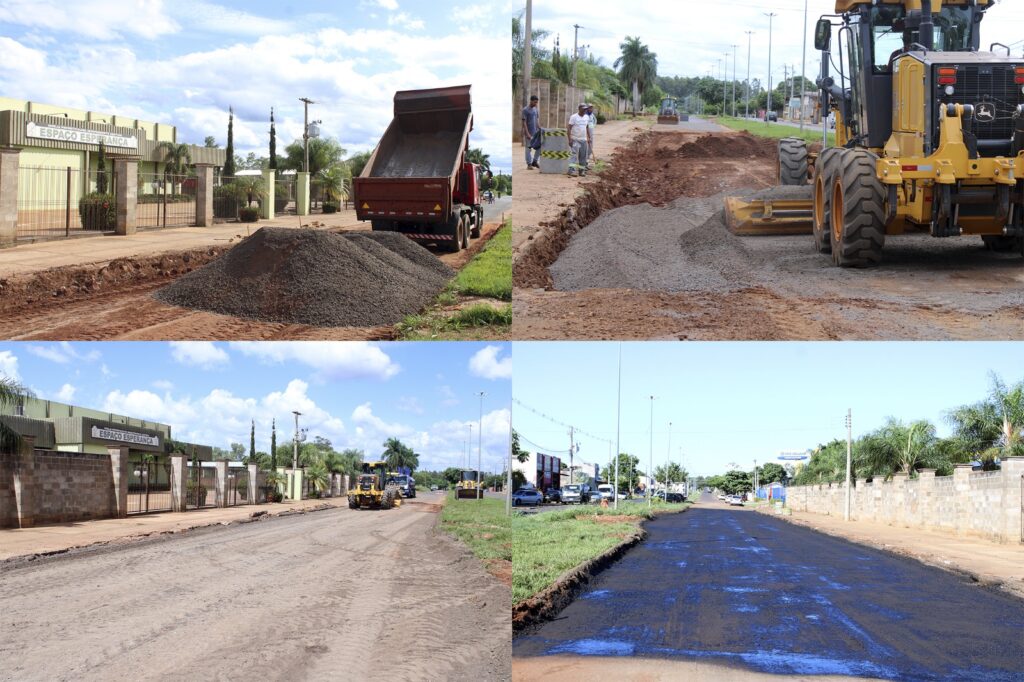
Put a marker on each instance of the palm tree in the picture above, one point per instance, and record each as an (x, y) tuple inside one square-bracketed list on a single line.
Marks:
[(993, 427), (898, 447), (477, 156), (12, 393), (336, 182), (250, 188), (177, 159), (637, 65), (399, 455), (318, 476), (518, 48)]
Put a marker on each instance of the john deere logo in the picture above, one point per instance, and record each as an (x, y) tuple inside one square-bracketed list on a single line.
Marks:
[(985, 112)]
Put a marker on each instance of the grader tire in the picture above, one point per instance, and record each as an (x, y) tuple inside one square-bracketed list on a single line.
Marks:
[(1001, 244), (792, 161), (829, 161), (857, 212)]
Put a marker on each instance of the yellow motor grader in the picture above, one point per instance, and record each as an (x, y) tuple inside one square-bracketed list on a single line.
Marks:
[(668, 113), (371, 490), (467, 488), (929, 135)]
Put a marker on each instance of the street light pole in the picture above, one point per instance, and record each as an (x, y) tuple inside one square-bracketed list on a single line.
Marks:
[(771, 16), (305, 133), (803, 71), (480, 447), (650, 470), (725, 83), (749, 35), (528, 53), (575, 51), (295, 457), (849, 448), (734, 48), (618, 426), (668, 462), (508, 478)]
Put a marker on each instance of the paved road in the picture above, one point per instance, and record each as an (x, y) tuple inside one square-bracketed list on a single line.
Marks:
[(758, 593), (341, 594)]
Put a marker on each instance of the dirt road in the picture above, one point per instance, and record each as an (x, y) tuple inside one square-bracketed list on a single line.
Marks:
[(718, 585), (113, 301), (627, 260), (333, 595)]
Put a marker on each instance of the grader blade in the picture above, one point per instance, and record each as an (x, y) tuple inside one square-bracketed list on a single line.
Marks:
[(767, 216), (670, 119)]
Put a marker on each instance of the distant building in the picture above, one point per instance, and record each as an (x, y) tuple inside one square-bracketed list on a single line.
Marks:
[(540, 470)]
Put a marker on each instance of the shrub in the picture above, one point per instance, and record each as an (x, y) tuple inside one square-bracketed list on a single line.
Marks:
[(226, 201), (330, 206), (601, 118), (249, 214), (98, 211)]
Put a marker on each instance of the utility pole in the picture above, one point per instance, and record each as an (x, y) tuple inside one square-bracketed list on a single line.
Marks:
[(296, 494), (528, 53), (508, 477), (305, 132), (650, 470), (618, 426), (734, 48), (668, 462), (749, 36), (755, 479), (725, 83), (849, 448), (480, 447), (803, 71), (575, 51), (572, 454), (770, 15), (785, 85)]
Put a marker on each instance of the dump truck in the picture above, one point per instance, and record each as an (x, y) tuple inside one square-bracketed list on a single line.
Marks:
[(467, 487), (929, 135), (372, 489), (667, 113), (418, 181)]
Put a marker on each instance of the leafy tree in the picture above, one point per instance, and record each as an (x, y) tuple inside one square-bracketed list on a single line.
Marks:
[(209, 142), (673, 472), (736, 482), (357, 162), (273, 142), (251, 162), (898, 447), (101, 170), (770, 473), (537, 50), (399, 456), (629, 472), (237, 451), (453, 474), (318, 475), (324, 152), (273, 445), (638, 66), (177, 158), (517, 452), (12, 393), (518, 479), (229, 151)]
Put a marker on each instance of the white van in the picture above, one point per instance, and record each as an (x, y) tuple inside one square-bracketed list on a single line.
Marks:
[(607, 491)]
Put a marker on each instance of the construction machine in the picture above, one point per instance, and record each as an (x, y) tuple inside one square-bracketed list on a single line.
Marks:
[(372, 489), (467, 487), (929, 135), (667, 113)]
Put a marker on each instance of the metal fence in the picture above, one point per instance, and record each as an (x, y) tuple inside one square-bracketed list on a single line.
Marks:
[(201, 487), (238, 487), (149, 485), (165, 200), (51, 205)]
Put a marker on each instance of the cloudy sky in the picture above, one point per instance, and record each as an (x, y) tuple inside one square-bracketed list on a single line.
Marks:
[(185, 62), (355, 394), (691, 37), (737, 402)]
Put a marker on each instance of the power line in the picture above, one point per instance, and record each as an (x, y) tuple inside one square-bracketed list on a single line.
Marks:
[(559, 422)]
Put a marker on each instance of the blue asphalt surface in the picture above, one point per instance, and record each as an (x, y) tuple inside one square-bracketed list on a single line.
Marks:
[(753, 591)]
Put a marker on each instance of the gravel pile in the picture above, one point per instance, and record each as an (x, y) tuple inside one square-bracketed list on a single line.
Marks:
[(360, 279)]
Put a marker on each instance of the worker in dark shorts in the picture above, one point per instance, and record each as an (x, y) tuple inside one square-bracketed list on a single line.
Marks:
[(532, 131)]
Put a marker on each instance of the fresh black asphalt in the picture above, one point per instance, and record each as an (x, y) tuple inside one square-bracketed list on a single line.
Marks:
[(760, 593)]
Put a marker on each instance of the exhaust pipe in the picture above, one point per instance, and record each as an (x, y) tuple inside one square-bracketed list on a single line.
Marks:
[(927, 30)]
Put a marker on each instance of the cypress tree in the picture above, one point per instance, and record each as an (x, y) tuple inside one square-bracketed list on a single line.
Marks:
[(273, 142), (252, 443), (101, 170), (229, 152), (273, 445)]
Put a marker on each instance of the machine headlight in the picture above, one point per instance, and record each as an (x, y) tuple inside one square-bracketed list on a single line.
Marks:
[(950, 90)]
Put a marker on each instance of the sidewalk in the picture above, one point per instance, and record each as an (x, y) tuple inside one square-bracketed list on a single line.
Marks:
[(987, 562), (26, 259), (19, 542)]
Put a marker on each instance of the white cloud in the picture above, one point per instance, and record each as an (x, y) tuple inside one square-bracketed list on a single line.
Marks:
[(9, 365), (66, 393), (406, 21), (163, 385), (101, 19), (202, 354), (64, 353), (409, 403), (486, 364), (364, 416), (448, 397), (391, 5), (333, 360), (149, 405)]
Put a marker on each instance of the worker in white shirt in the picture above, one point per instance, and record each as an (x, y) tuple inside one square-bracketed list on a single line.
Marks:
[(578, 130)]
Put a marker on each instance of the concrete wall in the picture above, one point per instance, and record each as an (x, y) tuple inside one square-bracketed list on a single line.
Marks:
[(984, 504), (556, 102), (66, 487)]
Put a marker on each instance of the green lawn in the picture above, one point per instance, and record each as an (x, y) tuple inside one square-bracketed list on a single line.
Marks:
[(546, 545), (773, 130), (489, 274), (481, 524)]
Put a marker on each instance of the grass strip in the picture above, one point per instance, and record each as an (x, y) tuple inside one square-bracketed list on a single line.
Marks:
[(489, 274), (546, 545), (481, 525), (775, 131)]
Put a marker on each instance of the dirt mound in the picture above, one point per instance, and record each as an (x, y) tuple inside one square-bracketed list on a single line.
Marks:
[(730, 146), (355, 279)]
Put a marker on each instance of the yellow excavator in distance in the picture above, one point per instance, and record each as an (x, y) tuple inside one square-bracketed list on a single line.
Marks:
[(929, 135), (371, 490), (467, 488)]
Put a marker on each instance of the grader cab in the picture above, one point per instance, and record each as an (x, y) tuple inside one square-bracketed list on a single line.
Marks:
[(371, 489), (929, 135), (668, 113), (467, 487)]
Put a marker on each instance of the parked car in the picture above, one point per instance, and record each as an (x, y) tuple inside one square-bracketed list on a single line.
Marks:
[(722, 497), (529, 497), (576, 493), (607, 491), (771, 116), (553, 495), (736, 500), (433, 488)]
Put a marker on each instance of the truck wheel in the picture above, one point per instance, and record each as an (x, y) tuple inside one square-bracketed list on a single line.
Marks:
[(792, 161), (857, 212), (999, 243), (380, 225), (824, 176), (454, 244), (478, 224), (465, 231)]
